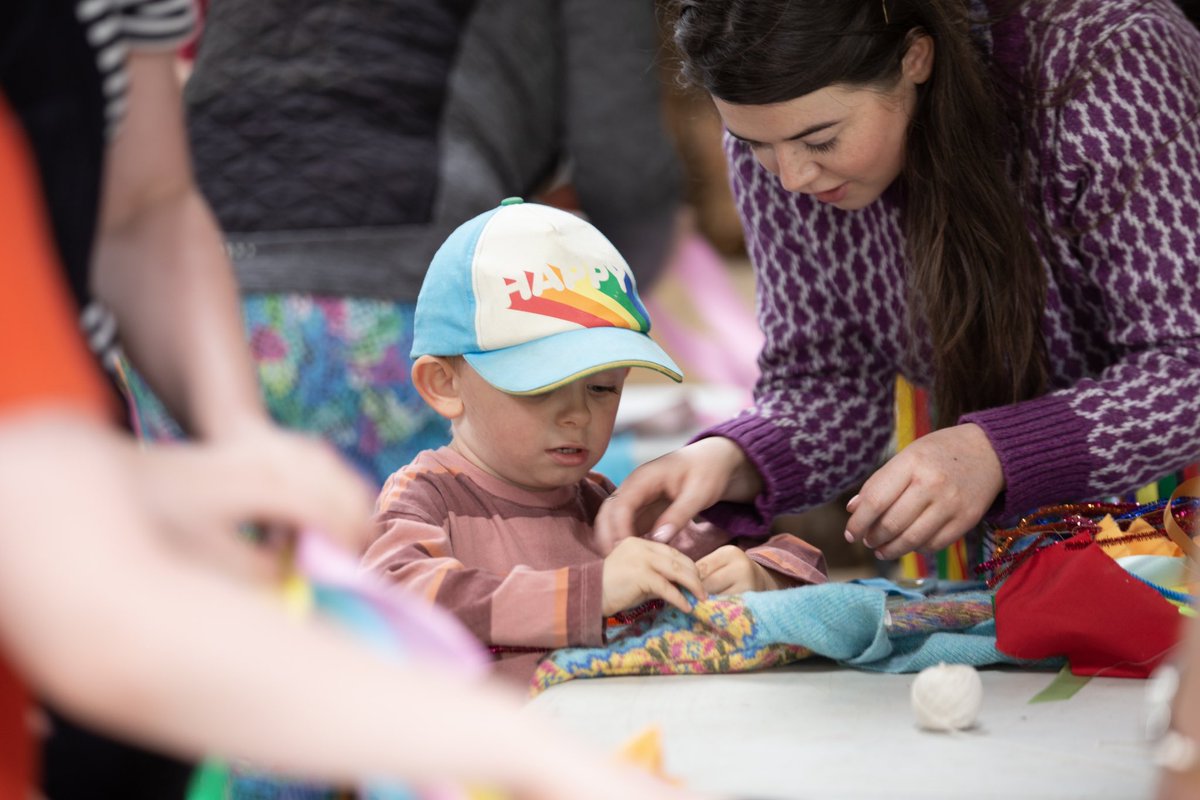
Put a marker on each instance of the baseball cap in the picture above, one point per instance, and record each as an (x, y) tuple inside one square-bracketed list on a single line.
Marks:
[(534, 297)]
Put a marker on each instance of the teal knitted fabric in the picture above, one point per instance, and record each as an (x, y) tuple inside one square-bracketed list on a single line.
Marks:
[(855, 625)]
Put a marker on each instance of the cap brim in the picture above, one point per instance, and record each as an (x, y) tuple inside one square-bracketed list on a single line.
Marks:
[(545, 364)]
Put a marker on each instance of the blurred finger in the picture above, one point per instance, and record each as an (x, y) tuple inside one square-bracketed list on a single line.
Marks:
[(316, 490), (234, 554)]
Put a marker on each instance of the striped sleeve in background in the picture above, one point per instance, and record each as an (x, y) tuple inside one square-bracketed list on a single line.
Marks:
[(157, 24)]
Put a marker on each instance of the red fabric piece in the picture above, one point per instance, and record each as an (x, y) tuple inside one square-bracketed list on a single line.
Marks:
[(16, 747), (1071, 599)]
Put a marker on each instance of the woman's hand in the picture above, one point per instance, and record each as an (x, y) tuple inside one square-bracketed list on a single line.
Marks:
[(928, 495), (665, 494)]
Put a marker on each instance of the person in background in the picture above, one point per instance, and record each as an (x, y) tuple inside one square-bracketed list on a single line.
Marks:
[(970, 195), (142, 257)]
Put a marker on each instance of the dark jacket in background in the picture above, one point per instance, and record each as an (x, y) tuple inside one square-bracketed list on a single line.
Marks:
[(340, 143)]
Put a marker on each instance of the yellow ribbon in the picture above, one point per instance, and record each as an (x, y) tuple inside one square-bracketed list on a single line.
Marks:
[(1189, 488)]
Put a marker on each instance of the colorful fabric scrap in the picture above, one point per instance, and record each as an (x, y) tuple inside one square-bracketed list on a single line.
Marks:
[(851, 624), (326, 582), (718, 636), (1071, 599)]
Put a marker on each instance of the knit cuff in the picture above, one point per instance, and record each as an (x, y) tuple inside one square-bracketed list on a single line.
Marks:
[(591, 595), (1042, 446), (768, 449)]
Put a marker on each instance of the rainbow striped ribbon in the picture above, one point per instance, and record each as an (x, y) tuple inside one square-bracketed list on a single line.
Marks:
[(913, 421)]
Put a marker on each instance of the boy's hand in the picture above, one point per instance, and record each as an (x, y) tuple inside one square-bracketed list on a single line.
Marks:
[(728, 570), (639, 570)]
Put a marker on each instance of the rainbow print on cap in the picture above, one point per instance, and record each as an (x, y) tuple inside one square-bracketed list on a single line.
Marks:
[(614, 303), (534, 297)]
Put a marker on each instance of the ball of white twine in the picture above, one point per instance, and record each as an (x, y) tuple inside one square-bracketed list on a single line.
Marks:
[(947, 697)]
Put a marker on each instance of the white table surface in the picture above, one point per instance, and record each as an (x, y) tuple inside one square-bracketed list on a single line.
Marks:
[(817, 730)]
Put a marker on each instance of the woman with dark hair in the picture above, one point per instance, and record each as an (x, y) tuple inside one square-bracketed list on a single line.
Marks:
[(999, 202)]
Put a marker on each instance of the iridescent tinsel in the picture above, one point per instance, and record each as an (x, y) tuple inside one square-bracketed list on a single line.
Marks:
[(1050, 524)]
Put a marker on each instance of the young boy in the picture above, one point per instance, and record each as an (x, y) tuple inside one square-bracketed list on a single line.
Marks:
[(526, 325)]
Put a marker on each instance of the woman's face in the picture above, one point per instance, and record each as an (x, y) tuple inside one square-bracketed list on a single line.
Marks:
[(842, 145)]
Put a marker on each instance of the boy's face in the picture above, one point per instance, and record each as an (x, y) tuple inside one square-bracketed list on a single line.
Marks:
[(538, 442)]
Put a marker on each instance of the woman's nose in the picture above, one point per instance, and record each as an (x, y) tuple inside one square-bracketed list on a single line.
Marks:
[(797, 172)]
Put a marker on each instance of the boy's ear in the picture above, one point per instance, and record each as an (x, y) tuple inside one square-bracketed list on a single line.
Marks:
[(437, 382)]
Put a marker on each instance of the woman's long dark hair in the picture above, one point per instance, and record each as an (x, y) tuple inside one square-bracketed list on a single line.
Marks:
[(975, 278)]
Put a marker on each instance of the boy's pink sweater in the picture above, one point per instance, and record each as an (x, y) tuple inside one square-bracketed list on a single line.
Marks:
[(519, 568)]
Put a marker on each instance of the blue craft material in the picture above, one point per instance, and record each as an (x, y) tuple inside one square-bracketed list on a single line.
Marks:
[(618, 460), (890, 587), (848, 623)]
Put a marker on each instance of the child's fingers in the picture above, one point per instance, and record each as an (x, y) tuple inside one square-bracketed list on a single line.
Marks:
[(722, 555), (663, 588), (720, 581), (679, 569)]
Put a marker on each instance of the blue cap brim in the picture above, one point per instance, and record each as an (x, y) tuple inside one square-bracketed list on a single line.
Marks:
[(546, 364)]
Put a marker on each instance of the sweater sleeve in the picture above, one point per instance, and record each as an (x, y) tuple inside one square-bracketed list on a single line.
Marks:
[(823, 404), (523, 608), (1124, 161), (784, 553), (789, 556)]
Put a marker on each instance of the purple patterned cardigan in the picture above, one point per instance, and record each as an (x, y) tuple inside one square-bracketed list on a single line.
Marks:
[(1118, 161)]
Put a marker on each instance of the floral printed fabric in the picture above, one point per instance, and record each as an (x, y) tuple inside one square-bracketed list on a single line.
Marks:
[(335, 367)]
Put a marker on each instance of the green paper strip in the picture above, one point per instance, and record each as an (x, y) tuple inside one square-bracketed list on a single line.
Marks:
[(210, 781), (1063, 687), (1166, 485)]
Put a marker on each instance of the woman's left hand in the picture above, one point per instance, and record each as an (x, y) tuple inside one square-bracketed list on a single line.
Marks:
[(928, 495)]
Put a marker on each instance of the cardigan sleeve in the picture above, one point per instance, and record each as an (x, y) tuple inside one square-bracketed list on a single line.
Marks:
[(1123, 165), (784, 553)]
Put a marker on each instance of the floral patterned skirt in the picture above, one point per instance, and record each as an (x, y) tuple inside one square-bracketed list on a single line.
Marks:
[(334, 366)]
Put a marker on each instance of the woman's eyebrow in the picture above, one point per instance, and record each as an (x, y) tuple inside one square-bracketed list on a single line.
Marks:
[(809, 131)]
